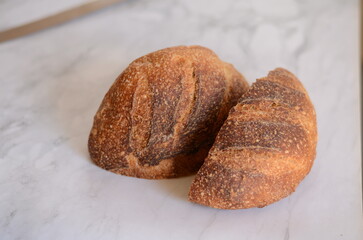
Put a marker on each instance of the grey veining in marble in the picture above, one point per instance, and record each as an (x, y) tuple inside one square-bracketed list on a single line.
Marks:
[(52, 82)]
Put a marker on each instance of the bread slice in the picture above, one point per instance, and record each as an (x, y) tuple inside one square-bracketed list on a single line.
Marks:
[(264, 149), (161, 115)]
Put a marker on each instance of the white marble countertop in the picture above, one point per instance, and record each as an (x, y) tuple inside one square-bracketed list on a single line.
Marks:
[(52, 82)]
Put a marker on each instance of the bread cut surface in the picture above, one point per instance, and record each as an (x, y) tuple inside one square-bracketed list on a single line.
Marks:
[(264, 149), (161, 115)]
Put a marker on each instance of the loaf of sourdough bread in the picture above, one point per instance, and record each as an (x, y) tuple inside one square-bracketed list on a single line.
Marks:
[(161, 115), (264, 149)]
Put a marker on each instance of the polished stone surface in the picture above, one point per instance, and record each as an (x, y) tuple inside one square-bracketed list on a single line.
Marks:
[(52, 82)]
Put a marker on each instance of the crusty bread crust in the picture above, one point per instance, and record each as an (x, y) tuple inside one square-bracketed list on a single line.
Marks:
[(161, 115), (264, 149)]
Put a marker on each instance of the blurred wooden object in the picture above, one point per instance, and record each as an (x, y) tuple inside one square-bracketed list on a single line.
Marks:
[(55, 19)]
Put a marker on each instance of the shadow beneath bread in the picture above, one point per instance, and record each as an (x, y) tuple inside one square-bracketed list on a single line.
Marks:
[(177, 187)]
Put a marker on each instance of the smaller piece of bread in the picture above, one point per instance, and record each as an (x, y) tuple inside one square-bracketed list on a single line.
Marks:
[(264, 149)]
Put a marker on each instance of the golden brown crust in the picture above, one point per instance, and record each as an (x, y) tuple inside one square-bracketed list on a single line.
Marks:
[(160, 117), (263, 150)]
